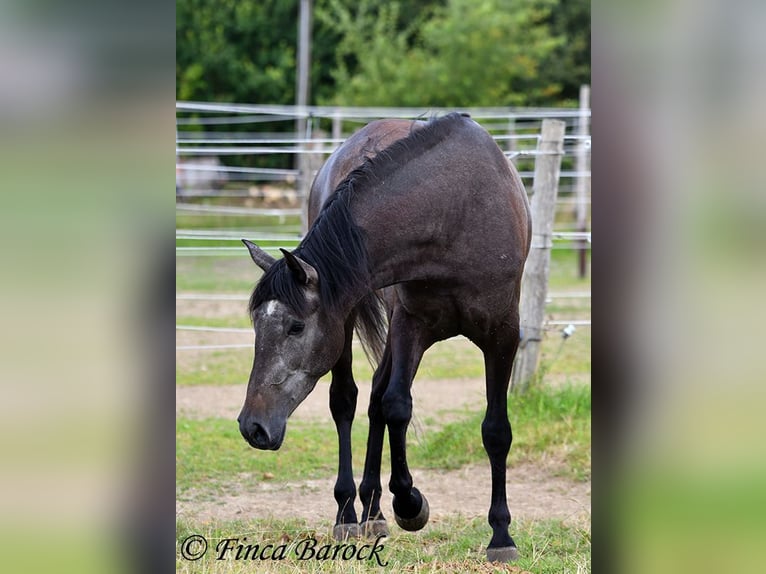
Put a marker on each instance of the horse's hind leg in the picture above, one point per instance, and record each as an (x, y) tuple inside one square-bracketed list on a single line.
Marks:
[(343, 393), (409, 339), (496, 436), (373, 522)]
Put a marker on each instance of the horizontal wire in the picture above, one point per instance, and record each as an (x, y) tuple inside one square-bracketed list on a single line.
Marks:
[(212, 329), (233, 210), (210, 297), (232, 169), (211, 347), (233, 297), (331, 112), (558, 235)]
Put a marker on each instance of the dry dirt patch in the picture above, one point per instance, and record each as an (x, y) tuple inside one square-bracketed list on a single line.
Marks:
[(533, 494)]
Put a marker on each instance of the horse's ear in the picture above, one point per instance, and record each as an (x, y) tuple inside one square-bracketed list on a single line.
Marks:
[(304, 273), (261, 258)]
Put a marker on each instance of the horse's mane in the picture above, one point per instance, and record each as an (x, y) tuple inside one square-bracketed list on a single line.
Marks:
[(335, 246)]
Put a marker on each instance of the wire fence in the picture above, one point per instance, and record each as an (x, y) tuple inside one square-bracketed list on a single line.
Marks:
[(216, 163)]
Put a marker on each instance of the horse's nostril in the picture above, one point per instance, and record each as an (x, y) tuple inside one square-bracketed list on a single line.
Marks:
[(259, 435), (254, 433)]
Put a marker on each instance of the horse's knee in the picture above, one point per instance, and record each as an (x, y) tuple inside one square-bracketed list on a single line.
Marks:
[(396, 409), (374, 410), (496, 436), (343, 402)]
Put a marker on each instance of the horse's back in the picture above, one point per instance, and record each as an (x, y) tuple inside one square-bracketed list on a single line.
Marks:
[(364, 143), (465, 196)]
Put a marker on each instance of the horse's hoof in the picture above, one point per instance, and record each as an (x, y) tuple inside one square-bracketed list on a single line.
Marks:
[(343, 532), (417, 522), (374, 528), (503, 554)]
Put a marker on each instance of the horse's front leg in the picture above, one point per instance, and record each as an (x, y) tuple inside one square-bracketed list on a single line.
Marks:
[(373, 522), (409, 340), (343, 393), (496, 436)]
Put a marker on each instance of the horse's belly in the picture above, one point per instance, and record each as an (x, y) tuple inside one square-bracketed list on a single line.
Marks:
[(449, 309)]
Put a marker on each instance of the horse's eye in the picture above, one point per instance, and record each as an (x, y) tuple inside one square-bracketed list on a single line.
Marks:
[(296, 328)]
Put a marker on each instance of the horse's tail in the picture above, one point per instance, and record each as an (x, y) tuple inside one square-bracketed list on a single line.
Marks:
[(371, 326)]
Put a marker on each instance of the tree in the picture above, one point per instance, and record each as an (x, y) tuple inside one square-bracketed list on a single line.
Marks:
[(452, 53), (236, 50), (462, 53), (569, 64)]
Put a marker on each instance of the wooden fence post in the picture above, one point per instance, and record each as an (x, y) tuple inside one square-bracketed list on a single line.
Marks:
[(534, 284), (511, 145), (337, 127), (583, 181), (303, 183)]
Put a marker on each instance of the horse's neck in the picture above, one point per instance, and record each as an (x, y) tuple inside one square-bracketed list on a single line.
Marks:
[(399, 246)]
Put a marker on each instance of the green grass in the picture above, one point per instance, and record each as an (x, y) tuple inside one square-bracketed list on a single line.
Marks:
[(550, 424), (216, 367), (563, 271), (454, 545), (212, 452), (241, 321), (216, 274)]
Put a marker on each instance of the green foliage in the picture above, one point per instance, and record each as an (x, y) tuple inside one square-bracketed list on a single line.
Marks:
[(455, 53), (568, 65), (464, 53), (236, 50)]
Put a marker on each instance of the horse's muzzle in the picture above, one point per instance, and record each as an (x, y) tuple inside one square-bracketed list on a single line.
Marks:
[(260, 436)]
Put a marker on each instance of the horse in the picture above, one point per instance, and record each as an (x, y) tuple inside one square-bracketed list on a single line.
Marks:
[(441, 219)]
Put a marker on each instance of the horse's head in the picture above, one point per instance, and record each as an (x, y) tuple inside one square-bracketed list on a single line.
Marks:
[(293, 349)]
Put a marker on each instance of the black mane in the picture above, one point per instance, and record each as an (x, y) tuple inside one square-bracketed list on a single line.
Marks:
[(335, 245)]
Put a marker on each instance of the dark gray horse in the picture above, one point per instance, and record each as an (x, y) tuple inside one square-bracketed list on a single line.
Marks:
[(442, 218)]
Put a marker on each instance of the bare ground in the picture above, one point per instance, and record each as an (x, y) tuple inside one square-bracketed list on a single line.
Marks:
[(532, 494)]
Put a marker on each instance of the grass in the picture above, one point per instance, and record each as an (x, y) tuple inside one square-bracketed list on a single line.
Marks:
[(211, 451), (552, 425), (216, 274), (454, 545)]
